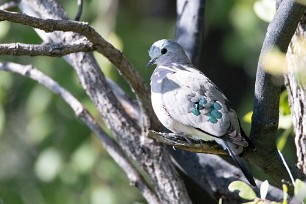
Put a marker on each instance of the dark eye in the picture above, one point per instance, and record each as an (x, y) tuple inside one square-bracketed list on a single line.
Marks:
[(163, 51)]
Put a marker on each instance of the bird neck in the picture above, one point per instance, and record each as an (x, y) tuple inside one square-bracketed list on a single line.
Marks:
[(161, 71)]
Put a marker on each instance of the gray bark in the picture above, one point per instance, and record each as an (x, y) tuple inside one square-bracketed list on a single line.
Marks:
[(267, 89)]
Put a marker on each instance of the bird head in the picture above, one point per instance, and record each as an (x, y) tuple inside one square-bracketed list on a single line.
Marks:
[(165, 52)]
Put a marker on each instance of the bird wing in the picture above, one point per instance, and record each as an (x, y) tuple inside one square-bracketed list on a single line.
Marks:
[(192, 99)]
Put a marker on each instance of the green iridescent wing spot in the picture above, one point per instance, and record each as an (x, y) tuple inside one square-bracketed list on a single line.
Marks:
[(196, 109), (211, 109), (216, 114), (217, 106), (212, 119), (202, 102)]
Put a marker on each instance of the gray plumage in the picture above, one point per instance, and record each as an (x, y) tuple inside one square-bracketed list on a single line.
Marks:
[(187, 102)]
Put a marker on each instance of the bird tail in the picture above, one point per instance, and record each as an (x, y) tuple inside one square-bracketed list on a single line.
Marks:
[(243, 166)]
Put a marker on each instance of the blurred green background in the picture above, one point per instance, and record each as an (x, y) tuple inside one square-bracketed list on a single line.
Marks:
[(49, 156)]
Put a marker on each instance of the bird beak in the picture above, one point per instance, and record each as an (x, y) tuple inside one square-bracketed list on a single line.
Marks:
[(151, 62)]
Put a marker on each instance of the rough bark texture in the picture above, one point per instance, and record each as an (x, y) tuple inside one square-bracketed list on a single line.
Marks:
[(190, 27), (296, 85)]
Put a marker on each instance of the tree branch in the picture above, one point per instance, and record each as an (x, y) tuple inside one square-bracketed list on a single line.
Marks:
[(100, 44), (52, 50), (59, 50), (190, 27), (267, 90), (109, 145)]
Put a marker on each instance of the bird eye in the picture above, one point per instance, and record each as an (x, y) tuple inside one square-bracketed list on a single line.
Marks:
[(163, 51)]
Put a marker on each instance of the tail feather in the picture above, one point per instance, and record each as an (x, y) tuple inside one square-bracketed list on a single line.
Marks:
[(243, 166)]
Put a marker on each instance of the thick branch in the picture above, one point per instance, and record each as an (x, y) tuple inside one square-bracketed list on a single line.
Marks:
[(59, 50), (109, 145), (190, 27), (267, 87), (267, 90)]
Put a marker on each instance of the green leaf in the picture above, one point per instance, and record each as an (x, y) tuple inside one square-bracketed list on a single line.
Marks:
[(300, 190), (245, 191), (264, 189)]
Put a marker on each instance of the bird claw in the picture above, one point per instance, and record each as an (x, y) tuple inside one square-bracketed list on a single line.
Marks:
[(188, 139)]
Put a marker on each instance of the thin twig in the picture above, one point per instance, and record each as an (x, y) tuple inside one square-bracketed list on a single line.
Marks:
[(53, 50), (111, 146), (58, 50)]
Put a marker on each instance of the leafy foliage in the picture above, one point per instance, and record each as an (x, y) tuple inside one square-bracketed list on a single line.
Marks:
[(247, 193)]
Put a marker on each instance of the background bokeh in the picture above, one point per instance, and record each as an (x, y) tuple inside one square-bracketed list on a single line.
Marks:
[(48, 156)]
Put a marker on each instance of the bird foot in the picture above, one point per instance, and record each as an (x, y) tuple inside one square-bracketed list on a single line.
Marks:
[(184, 136), (188, 138)]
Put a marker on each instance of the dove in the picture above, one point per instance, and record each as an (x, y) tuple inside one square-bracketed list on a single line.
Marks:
[(188, 103)]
